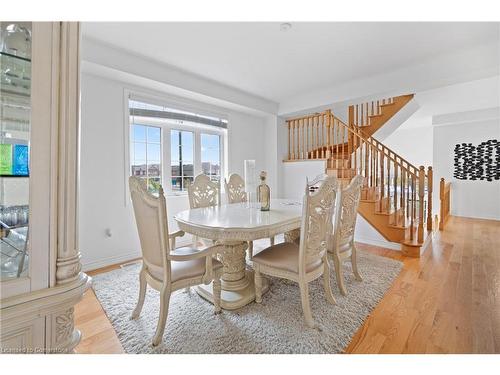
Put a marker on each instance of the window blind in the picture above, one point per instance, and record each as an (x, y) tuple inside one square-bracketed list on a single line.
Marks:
[(142, 109)]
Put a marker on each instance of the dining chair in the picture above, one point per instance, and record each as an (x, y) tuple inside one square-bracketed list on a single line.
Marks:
[(343, 246), (203, 193), (307, 261), (235, 192), (165, 268), (235, 189)]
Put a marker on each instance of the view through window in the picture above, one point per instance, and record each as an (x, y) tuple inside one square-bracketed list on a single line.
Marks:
[(170, 146), (210, 156), (146, 154)]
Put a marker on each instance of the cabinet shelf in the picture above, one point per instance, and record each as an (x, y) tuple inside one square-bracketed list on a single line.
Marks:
[(15, 75), (9, 55)]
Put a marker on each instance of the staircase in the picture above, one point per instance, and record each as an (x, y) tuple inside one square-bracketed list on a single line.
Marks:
[(396, 196)]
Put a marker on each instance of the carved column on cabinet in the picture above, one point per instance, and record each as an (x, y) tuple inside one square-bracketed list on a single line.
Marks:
[(68, 265), (63, 337)]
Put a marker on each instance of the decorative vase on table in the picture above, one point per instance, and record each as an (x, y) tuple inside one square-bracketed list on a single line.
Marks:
[(264, 193)]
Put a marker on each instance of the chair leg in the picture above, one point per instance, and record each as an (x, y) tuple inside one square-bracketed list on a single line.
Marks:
[(339, 274), (164, 302), (217, 290), (326, 282), (306, 307), (142, 294), (272, 241), (258, 286), (354, 262)]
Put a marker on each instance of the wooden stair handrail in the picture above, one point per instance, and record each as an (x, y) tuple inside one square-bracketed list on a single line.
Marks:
[(415, 169), (374, 143)]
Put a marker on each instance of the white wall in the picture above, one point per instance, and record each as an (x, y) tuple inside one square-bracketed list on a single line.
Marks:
[(414, 144), (477, 199), (295, 174), (102, 171)]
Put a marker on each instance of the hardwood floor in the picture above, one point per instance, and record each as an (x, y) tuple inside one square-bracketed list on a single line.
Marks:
[(98, 335), (447, 301)]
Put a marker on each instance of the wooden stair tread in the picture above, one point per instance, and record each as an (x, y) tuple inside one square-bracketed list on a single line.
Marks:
[(414, 242), (387, 104)]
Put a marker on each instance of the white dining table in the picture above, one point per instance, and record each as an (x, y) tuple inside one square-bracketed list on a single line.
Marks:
[(232, 226)]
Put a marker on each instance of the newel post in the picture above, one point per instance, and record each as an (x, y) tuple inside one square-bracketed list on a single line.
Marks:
[(429, 198), (442, 203), (421, 196)]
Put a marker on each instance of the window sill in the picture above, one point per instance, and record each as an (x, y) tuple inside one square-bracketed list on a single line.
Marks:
[(176, 195)]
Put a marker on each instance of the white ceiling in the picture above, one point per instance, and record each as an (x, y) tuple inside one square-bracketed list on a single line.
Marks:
[(262, 60)]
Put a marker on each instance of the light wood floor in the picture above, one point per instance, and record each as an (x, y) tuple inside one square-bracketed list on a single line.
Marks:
[(448, 301)]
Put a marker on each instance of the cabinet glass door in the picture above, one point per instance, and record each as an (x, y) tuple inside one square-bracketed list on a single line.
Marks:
[(15, 129)]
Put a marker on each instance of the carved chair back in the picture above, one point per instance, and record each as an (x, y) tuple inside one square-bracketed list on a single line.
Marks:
[(203, 192), (235, 189), (350, 198), (151, 220), (319, 208)]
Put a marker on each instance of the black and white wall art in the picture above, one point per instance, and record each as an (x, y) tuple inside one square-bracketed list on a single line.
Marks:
[(481, 162)]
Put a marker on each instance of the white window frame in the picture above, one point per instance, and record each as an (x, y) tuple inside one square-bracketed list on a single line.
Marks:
[(166, 127), (146, 144)]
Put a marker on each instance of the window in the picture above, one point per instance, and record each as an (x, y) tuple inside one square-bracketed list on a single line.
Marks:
[(181, 158), (210, 156), (170, 146), (146, 154)]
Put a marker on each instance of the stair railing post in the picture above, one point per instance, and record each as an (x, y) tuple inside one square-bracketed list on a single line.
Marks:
[(429, 198), (299, 140), (307, 137), (328, 114), (395, 182), (289, 154), (442, 204), (411, 208), (317, 139), (381, 179), (421, 196)]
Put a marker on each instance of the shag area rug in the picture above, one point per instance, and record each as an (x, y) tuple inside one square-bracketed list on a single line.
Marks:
[(275, 326)]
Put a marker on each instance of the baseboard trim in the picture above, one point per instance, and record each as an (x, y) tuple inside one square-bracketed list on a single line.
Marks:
[(109, 261), (384, 244)]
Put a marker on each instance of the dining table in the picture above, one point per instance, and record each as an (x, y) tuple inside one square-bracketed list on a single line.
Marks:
[(232, 226)]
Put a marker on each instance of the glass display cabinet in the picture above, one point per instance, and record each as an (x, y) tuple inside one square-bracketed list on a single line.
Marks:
[(40, 271), (15, 115)]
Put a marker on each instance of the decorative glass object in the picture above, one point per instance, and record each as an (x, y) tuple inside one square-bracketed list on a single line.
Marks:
[(264, 193), (250, 185), (17, 41)]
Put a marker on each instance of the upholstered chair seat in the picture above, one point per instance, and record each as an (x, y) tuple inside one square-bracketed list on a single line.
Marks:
[(186, 269), (345, 244), (284, 256)]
